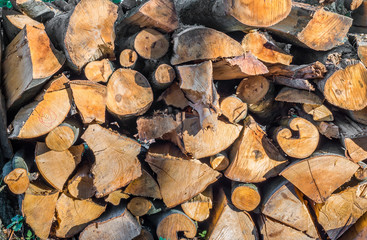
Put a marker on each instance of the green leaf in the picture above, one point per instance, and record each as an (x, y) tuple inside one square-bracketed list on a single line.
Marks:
[(29, 233), (10, 225), (18, 226)]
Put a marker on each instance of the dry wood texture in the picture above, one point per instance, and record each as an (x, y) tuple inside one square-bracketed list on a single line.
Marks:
[(144, 186), (99, 71), (245, 197)]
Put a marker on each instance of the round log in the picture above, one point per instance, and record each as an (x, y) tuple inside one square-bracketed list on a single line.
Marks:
[(163, 76), (139, 206), (253, 89), (219, 161), (150, 44), (99, 71), (245, 197), (64, 136), (128, 58), (233, 108)]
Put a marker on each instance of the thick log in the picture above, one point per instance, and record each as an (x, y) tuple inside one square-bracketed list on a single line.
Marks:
[(201, 43), (301, 146), (196, 81), (233, 15), (116, 163), (70, 221), (253, 156), (262, 46), (35, 9), (116, 223), (282, 203), (90, 99), (227, 223), (312, 27), (128, 58), (319, 112), (174, 96), (253, 89), (56, 167), (159, 14), (198, 208), (99, 71), (321, 174), (38, 207), (233, 108), (64, 136), (44, 114), (144, 186), (342, 210), (180, 179), (245, 196), (30, 60), (115, 197), (80, 34), (128, 93), (169, 224), (219, 161), (81, 184)]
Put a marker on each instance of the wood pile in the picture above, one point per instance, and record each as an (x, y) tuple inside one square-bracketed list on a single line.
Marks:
[(175, 119)]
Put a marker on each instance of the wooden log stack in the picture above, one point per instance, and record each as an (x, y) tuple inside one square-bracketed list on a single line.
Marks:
[(185, 119)]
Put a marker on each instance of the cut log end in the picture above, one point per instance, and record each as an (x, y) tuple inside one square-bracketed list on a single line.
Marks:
[(245, 197), (233, 108), (253, 89), (174, 222), (99, 71), (128, 58), (139, 206), (163, 76), (17, 180), (60, 139), (219, 161), (151, 44)]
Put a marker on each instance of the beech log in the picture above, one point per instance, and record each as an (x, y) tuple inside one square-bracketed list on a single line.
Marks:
[(219, 161), (128, 58), (252, 89), (64, 136), (140, 206), (163, 76), (233, 108), (319, 112), (245, 196), (35, 9), (99, 71), (17, 179)]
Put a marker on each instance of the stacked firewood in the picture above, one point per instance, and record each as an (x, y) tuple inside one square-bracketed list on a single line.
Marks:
[(162, 119)]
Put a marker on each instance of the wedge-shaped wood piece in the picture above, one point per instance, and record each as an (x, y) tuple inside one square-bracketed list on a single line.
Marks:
[(198, 208), (44, 114), (265, 49), (226, 223), (81, 184), (159, 14), (359, 15), (35, 9), (128, 93), (200, 143), (319, 112), (245, 196), (301, 146), (312, 27), (38, 207), (219, 161), (99, 71), (201, 43), (359, 116), (360, 42), (73, 215), (353, 4), (236, 15), (342, 210), (116, 223), (64, 136), (196, 81), (174, 96), (156, 126), (90, 99), (170, 223), (321, 174), (30, 60), (233, 108), (144, 186), (273, 230), (253, 157), (116, 196), (282, 203), (56, 167), (116, 163), (81, 34), (297, 96), (358, 231), (14, 22), (173, 172), (253, 89), (315, 70)]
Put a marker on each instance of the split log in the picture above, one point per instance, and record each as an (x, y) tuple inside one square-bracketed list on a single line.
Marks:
[(253, 157), (301, 146), (245, 196), (70, 221), (17, 179), (80, 34), (5, 145), (64, 136), (159, 14), (233, 108), (56, 167), (35, 9), (319, 112), (312, 27), (167, 149), (116, 163), (282, 203), (169, 224), (227, 223), (352, 4), (116, 223), (90, 99), (321, 174), (173, 173), (140, 206), (196, 81), (81, 184), (292, 95), (358, 231), (359, 15), (219, 161), (174, 96), (360, 42), (44, 114), (198, 208), (315, 70), (144, 186), (342, 210), (128, 58), (233, 15), (14, 22), (329, 130), (163, 76), (253, 89), (361, 173), (267, 109), (200, 43), (99, 71), (265, 49), (30, 60), (38, 207), (128, 93), (298, 83), (115, 197), (359, 116)]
